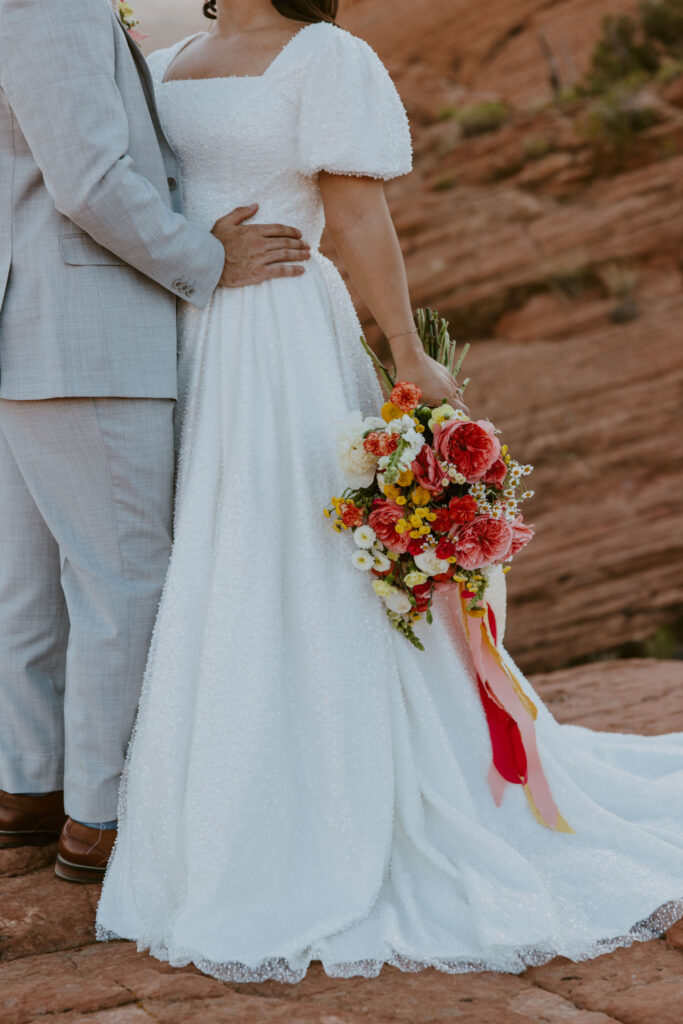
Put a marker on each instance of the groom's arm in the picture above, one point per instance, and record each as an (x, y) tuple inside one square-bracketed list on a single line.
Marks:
[(57, 72)]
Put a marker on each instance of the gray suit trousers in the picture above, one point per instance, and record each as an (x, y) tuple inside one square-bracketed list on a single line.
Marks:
[(85, 535)]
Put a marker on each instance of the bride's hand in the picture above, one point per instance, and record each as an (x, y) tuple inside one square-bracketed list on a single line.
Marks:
[(433, 379)]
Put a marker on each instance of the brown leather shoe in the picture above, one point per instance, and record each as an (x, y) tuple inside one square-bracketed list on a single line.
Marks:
[(30, 820), (83, 852)]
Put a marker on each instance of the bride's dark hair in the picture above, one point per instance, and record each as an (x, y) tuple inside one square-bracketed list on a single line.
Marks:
[(298, 10)]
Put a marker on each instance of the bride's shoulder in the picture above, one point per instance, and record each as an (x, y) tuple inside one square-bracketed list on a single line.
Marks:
[(334, 50)]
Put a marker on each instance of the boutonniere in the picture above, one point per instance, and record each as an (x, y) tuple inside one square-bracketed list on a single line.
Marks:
[(127, 18)]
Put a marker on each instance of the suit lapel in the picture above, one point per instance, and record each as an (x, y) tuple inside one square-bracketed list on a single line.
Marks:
[(146, 77)]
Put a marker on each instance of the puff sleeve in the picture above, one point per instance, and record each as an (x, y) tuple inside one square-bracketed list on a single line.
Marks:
[(351, 118)]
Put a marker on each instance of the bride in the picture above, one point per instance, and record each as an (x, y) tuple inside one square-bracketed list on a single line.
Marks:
[(302, 783)]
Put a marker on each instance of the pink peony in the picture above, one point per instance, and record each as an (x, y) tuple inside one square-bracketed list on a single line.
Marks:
[(428, 472), (383, 519), (497, 473), (483, 541), (471, 447), (521, 535)]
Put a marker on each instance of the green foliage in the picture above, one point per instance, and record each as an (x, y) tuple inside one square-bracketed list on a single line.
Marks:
[(662, 23), (483, 117), (617, 118), (621, 52), (536, 146)]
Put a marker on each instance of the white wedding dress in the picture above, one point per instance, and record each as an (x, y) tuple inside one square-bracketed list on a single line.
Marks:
[(302, 783)]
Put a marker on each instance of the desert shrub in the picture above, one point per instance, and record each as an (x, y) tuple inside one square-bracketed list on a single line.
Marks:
[(622, 52), (617, 117), (662, 23), (537, 146), (484, 117)]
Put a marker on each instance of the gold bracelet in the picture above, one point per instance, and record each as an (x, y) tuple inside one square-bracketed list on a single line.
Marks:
[(403, 334)]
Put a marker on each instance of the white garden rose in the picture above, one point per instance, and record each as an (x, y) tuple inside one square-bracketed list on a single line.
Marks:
[(397, 601), (358, 464), (428, 562), (364, 536), (363, 560)]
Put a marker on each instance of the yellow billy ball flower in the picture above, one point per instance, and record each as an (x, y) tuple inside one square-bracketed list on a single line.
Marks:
[(424, 530), (327, 513), (401, 500), (406, 478), (420, 496), (415, 521), (391, 412), (430, 516), (415, 534), (392, 492), (402, 526), (419, 429)]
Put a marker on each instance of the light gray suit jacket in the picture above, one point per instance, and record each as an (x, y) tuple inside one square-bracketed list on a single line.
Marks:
[(93, 247)]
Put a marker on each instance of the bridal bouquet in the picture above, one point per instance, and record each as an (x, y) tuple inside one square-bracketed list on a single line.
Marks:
[(433, 498)]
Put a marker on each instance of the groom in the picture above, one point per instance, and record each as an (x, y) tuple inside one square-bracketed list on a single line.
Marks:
[(94, 252)]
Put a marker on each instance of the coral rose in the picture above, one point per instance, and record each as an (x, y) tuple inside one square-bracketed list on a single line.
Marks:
[(521, 535), (471, 447), (406, 396), (383, 519), (483, 541), (462, 510), (497, 473), (428, 472)]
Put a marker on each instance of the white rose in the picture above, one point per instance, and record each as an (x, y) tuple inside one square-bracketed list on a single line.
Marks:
[(364, 536), (362, 560), (398, 602), (357, 464), (428, 562)]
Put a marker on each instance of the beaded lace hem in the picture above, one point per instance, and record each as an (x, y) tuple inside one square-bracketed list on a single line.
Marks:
[(505, 961)]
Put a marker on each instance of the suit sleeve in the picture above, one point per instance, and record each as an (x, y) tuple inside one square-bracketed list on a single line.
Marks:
[(57, 70)]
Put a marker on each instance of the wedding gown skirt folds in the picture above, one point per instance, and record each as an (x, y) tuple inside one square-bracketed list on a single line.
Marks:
[(302, 783)]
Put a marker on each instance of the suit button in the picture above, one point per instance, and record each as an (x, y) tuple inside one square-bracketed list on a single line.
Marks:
[(190, 291), (172, 184), (178, 285)]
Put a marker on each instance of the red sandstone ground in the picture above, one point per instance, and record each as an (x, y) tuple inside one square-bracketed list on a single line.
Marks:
[(51, 969)]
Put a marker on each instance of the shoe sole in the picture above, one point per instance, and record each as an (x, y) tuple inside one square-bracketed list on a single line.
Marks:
[(10, 840), (81, 873)]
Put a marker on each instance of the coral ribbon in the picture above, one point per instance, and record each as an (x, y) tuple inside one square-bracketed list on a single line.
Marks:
[(510, 716)]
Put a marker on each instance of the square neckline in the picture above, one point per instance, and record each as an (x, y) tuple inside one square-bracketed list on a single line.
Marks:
[(227, 78)]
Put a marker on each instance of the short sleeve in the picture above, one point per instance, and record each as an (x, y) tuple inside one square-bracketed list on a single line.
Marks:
[(351, 118)]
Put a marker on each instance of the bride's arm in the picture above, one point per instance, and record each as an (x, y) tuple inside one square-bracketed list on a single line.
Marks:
[(364, 235)]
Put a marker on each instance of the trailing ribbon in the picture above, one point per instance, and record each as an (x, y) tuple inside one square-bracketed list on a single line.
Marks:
[(510, 715)]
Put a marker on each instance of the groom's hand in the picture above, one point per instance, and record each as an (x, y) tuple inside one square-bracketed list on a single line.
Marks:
[(258, 252)]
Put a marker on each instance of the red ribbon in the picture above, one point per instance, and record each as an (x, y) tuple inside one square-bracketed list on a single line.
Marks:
[(510, 716)]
